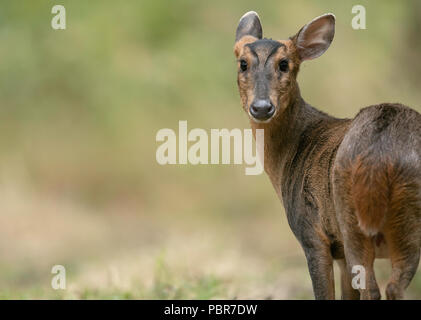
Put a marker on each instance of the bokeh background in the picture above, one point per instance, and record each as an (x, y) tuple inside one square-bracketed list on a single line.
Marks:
[(79, 112)]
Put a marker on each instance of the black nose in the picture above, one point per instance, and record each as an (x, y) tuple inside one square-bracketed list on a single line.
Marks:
[(262, 109)]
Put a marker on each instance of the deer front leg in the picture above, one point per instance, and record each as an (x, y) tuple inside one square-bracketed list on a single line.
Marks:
[(320, 266)]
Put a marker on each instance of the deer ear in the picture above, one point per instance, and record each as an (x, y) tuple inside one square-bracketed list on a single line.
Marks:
[(315, 37), (249, 25)]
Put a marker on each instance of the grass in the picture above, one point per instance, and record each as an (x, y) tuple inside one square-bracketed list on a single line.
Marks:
[(79, 112)]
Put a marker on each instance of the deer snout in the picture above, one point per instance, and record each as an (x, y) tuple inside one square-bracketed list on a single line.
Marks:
[(262, 109)]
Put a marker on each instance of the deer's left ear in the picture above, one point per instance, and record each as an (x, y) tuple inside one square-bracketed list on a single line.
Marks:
[(315, 37)]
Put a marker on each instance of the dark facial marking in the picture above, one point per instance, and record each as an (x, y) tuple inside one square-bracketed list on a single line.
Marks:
[(263, 50), (266, 46)]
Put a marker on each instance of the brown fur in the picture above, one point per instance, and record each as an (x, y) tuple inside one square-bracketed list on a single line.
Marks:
[(370, 195), (351, 188), (375, 189)]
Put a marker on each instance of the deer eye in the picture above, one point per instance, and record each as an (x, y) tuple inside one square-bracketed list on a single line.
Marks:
[(243, 65), (283, 65)]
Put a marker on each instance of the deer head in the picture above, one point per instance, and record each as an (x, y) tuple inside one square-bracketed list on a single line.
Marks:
[(267, 69)]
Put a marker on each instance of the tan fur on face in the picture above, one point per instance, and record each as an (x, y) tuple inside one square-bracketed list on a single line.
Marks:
[(282, 90), (239, 45)]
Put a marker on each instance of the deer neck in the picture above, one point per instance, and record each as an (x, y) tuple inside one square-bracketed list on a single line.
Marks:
[(282, 135)]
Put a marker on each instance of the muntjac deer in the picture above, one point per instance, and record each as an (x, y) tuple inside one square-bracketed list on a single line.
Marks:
[(351, 188)]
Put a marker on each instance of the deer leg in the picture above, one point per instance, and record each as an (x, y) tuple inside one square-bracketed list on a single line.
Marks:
[(404, 267), (358, 248), (320, 265), (348, 292), (403, 241), (360, 254)]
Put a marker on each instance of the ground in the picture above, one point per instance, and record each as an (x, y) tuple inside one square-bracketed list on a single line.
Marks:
[(122, 254)]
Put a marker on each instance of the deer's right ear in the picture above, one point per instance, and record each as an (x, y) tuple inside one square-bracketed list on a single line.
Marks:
[(249, 25)]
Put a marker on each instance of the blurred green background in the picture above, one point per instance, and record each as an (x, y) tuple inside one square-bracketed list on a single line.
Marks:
[(79, 112)]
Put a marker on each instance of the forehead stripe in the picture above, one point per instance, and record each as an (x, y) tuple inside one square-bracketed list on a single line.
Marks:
[(270, 45), (265, 44)]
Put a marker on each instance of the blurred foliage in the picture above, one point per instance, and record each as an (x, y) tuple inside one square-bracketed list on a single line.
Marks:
[(80, 108)]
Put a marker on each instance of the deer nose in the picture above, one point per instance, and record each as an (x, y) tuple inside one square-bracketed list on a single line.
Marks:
[(262, 109)]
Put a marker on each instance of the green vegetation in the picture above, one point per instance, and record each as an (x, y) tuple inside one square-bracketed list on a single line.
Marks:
[(79, 111)]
